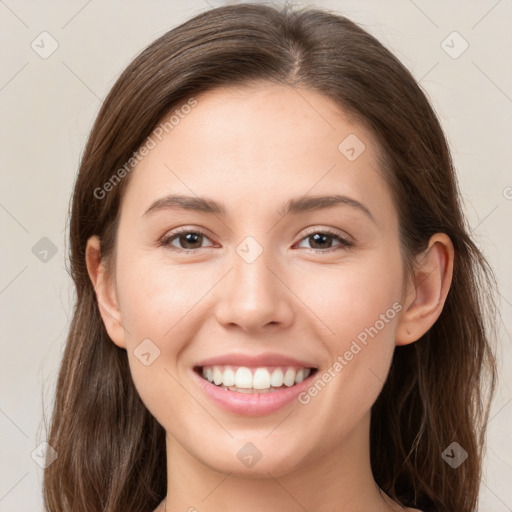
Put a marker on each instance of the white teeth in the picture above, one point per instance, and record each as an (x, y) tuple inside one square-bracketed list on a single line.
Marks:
[(261, 379), (246, 380), (228, 378), (307, 371), (277, 378), (289, 377), (243, 378), (217, 376)]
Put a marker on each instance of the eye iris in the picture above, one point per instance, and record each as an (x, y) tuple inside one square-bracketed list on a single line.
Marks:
[(320, 237), (190, 238)]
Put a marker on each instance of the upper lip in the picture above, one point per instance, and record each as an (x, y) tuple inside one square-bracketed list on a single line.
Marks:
[(260, 360)]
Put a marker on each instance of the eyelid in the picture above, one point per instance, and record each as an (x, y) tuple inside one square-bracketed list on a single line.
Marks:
[(326, 230)]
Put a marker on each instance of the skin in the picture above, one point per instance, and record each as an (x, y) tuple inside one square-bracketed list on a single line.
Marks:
[(253, 149)]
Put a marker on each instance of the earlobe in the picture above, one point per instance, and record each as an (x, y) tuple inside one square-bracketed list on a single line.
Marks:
[(428, 291), (105, 292)]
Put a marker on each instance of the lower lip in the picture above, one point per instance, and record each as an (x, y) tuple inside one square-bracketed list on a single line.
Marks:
[(252, 404)]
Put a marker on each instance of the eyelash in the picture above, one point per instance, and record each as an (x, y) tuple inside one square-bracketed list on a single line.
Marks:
[(166, 240)]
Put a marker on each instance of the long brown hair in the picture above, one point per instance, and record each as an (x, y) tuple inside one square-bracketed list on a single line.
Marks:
[(111, 450)]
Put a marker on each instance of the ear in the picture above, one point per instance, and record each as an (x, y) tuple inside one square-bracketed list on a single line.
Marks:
[(105, 292), (427, 289)]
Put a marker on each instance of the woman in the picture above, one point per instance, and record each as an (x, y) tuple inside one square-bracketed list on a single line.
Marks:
[(279, 306)]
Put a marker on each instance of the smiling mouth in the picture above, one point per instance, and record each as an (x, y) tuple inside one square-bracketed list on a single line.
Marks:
[(243, 379)]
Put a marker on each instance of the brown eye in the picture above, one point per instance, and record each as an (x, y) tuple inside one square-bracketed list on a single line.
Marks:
[(187, 240), (322, 241)]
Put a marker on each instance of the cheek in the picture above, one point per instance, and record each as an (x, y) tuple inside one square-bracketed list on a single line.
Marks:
[(157, 299), (359, 308), (354, 297), (158, 306)]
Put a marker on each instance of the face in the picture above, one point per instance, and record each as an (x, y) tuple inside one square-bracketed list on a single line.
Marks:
[(259, 280)]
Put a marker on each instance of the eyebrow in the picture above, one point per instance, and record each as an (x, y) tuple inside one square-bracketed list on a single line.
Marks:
[(293, 206)]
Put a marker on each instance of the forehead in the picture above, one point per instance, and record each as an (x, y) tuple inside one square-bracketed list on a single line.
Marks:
[(261, 145)]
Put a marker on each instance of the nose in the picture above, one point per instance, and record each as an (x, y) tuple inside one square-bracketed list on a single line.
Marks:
[(255, 295)]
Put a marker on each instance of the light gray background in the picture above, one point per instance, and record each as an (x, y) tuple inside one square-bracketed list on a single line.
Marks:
[(47, 107)]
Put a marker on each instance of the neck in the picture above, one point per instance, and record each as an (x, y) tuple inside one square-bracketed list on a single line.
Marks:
[(338, 474)]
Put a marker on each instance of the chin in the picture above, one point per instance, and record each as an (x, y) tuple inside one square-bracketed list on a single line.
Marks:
[(247, 461)]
